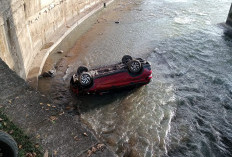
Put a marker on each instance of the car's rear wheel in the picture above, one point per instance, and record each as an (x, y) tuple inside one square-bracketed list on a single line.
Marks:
[(126, 59), (8, 146), (82, 69), (85, 79), (134, 66)]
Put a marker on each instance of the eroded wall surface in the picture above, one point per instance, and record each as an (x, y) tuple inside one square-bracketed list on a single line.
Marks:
[(26, 25)]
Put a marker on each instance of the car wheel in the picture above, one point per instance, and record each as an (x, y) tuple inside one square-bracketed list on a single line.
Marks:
[(82, 69), (8, 146), (85, 79), (134, 66), (126, 59)]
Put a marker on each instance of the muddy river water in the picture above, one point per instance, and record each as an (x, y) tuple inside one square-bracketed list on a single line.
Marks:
[(187, 108)]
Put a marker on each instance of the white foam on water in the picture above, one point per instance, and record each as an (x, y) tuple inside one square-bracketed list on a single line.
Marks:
[(183, 20)]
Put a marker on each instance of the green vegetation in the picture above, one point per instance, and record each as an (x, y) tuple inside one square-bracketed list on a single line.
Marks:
[(26, 147)]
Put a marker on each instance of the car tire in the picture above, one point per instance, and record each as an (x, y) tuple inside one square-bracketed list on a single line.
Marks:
[(82, 69), (126, 59), (8, 146), (85, 79), (134, 66)]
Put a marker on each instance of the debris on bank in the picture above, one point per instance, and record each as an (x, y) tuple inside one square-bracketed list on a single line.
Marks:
[(50, 73), (94, 149)]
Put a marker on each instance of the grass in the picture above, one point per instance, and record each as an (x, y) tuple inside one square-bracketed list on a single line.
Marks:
[(26, 147)]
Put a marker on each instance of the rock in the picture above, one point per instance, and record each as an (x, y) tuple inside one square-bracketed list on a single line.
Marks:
[(60, 51), (117, 22), (85, 134), (50, 73)]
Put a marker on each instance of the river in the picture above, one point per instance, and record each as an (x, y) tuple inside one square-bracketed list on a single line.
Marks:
[(187, 108)]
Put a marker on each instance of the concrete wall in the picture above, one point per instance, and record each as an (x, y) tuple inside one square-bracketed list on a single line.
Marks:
[(229, 18), (27, 25)]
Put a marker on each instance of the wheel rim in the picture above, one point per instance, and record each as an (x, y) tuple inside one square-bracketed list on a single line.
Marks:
[(135, 66), (85, 79)]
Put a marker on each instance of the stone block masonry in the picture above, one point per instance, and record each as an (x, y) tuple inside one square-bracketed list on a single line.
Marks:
[(26, 26)]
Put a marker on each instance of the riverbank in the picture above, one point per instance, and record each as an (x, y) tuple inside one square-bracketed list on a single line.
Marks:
[(42, 121), (61, 40)]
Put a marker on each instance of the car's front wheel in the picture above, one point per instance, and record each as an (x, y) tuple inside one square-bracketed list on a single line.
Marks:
[(134, 66)]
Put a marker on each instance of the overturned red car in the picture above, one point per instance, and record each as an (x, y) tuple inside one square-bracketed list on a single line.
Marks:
[(130, 72)]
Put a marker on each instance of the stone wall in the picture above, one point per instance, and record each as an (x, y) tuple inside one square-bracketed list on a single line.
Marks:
[(27, 25)]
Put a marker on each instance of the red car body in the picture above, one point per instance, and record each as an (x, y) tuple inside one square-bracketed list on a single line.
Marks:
[(113, 77)]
